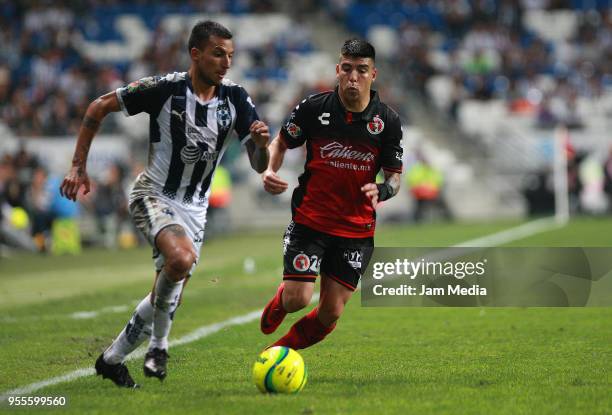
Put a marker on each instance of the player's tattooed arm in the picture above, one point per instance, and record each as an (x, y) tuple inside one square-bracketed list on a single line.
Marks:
[(392, 185), (378, 192), (258, 156), (257, 146), (77, 176)]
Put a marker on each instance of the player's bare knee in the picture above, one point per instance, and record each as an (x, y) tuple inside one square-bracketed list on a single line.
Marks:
[(330, 313), (294, 300), (179, 263)]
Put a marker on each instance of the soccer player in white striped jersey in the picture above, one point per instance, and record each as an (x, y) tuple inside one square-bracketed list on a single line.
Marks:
[(191, 116)]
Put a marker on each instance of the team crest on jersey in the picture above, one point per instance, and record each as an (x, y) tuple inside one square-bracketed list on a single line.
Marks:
[(224, 116), (301, 262), (294, 130), (376, 126)]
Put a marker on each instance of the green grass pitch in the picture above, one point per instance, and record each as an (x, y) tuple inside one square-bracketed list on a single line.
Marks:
[(392, 360)]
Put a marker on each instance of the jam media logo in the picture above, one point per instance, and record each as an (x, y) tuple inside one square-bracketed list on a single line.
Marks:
[(376, 126), (337, 150), (294, 130), (301, 262)]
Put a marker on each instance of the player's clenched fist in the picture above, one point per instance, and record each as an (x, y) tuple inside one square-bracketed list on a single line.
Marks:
[(260, 133), (73, 181), (272, 183), (371, 192)]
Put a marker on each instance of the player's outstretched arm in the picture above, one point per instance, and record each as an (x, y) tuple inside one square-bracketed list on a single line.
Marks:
[(257, 146), (272, 183), (77, 176), (379, 192)]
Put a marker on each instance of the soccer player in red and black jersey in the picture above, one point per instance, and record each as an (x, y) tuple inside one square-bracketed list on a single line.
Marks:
[(349, 135)]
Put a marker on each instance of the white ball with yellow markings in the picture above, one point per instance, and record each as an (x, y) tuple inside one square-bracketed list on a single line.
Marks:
[(280, 369)]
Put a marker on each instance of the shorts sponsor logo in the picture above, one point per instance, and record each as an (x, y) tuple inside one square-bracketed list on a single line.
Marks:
[(199, 236), (353, 258), (376, 126), (301, 262)]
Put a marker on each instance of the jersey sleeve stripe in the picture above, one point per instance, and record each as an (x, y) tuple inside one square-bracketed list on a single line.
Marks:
[(392, 169), (244, 139), (121, 103)]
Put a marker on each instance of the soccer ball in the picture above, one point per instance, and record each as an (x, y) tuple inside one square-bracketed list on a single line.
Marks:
[(280, 369)]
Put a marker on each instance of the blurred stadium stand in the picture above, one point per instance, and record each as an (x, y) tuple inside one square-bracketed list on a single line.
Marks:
[(485, 85)]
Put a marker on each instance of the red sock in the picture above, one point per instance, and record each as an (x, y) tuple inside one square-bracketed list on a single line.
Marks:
[(274, 313), (307, 331)]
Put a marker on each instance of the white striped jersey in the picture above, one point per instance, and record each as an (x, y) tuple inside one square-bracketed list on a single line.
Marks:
[(188, 136)]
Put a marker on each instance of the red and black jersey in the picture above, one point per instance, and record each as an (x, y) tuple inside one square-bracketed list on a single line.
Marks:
[(345, 150)]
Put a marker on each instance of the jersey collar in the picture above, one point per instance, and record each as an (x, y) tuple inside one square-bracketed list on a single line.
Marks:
[(365, 115), (218, 89)]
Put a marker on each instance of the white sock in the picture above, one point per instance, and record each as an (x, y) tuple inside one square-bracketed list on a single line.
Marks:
[(167, 294), (135, 332)]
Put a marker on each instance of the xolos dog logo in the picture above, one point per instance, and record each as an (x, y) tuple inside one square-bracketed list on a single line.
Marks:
[(376, 126), (301, 262)]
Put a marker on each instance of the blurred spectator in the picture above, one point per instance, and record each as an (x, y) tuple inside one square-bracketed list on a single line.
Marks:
[(37, 204), (607, 167), (538, 190), (45, 81), (487, 52), (425, 185), (110, 206)]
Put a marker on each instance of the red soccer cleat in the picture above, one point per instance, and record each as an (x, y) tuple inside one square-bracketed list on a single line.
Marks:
[(274, 313)]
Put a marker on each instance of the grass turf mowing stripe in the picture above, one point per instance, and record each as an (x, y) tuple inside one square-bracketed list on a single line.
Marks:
[(195, 335), (509, 235)]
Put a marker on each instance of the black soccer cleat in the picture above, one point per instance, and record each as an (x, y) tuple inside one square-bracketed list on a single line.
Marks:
[(155, 363), (118, 373)]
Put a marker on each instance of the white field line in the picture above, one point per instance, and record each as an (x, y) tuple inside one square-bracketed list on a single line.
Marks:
[(195, 335), (512, 234), (77, 315)]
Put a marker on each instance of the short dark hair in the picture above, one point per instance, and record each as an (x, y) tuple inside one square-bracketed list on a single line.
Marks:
[(204, 30), (358, 48)]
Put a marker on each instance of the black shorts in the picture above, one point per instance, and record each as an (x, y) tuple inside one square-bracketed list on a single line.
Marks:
[(307, 251)]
